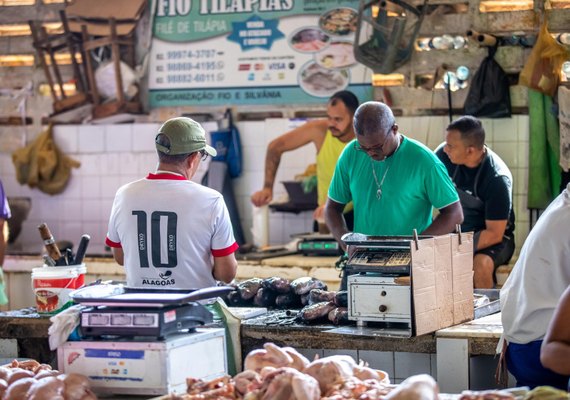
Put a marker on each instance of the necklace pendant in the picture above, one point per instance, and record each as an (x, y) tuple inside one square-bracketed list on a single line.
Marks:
[(379, 194)]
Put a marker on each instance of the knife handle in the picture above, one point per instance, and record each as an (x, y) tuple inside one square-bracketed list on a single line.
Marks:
[(49, 242), (81, 249)]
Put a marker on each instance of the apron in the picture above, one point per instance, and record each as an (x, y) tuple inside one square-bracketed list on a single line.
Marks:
[(473, 206)]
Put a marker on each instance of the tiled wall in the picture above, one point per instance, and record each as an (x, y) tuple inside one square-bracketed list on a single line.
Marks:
[(112, 155)]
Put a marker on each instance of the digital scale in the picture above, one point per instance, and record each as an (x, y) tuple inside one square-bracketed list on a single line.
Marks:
[(379, 254), (145, 341), (378, 281), (318, 244), (159, 322), (116, 310)]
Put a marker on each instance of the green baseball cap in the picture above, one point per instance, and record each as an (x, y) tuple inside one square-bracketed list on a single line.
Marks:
[(186, 136)]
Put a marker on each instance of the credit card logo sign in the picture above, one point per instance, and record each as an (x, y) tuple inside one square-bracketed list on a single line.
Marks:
[(244, 67)]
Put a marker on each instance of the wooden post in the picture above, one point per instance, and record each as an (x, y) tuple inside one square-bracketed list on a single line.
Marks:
[(88, 66), (117, 62)]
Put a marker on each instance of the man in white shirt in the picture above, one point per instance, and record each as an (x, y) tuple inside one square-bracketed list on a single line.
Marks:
[(168, 231), (532, 291)]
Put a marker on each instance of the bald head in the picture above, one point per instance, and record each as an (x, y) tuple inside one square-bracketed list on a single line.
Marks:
[(373, 118)]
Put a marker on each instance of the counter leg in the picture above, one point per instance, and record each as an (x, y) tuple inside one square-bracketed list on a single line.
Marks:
[(452, 365)]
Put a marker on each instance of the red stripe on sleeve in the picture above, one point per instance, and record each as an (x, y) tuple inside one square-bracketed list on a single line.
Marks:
[(225, 252), (110, 243)]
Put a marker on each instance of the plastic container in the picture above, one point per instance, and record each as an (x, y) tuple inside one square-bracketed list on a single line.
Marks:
[(52, 286)]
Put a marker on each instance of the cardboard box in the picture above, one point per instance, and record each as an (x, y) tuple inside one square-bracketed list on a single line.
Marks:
[(442, 282), (147, 368)]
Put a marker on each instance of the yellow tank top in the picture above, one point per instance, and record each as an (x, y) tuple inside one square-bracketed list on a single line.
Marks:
[(326, 162)]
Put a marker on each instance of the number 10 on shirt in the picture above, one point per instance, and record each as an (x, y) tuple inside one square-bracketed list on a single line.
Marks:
[(156, 239)]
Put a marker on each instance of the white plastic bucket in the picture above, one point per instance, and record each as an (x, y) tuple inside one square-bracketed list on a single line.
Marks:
[(52, 286)]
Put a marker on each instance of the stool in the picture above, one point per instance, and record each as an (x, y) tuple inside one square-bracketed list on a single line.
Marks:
[(120, 104), (49, 45)]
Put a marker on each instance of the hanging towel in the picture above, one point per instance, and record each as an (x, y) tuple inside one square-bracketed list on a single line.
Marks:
[(544, 147), (41, 164)]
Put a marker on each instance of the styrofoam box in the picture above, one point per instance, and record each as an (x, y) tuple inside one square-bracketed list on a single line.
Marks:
[(159, 367)]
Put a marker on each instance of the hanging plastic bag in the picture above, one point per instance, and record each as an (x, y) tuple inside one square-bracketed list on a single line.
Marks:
[(489, 94), (542, 68), (228, 145)]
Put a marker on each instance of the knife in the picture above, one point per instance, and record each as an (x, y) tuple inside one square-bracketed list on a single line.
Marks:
[(81, 249)]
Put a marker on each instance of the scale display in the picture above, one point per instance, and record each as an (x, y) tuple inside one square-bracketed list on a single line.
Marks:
[(130, 322), (381, 259)]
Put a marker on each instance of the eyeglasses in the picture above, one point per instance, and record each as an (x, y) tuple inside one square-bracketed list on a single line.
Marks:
[(374, 149), (377, 149), (204, 155)]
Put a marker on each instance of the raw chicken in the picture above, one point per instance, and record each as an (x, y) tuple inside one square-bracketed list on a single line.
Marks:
[(270, 356), (362, 372), (247, 381), (300, 362), (417, 387), (289, 384), (331, 370)]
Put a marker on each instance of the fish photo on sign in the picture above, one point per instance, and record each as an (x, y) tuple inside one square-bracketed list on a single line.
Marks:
[(309, 40), (339, 54), (322, 82), (339, 21)]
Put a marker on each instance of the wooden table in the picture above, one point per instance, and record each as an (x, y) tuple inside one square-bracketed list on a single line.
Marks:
[(456, 344)]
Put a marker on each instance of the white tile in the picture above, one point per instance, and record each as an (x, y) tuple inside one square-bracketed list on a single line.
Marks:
[(71, 210), (111, 163), (252, 133), (91, 139), (129, 164), (294, 224), (72, 231), (408, 364), (106, 206), (383, 360), (508, 152), (520, 178), (91, 187), (97, 231), (489, 130), (91, 210), (311, 354), (143, 137), (523, 128), (118, 138), (147, 162), (248, 183), (73, 188), (343, 352), (66, 138), (90, 164), (254, 158), (110, 185), (523, 154), (505, 130), (405, 127)]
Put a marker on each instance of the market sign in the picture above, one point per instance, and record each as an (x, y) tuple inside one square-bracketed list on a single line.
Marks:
[(220, 52)]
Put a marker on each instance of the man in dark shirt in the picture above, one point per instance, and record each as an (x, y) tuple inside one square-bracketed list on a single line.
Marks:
[(485, 187)]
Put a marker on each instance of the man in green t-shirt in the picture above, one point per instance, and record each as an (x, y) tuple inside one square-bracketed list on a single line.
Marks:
[(393, 181)]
